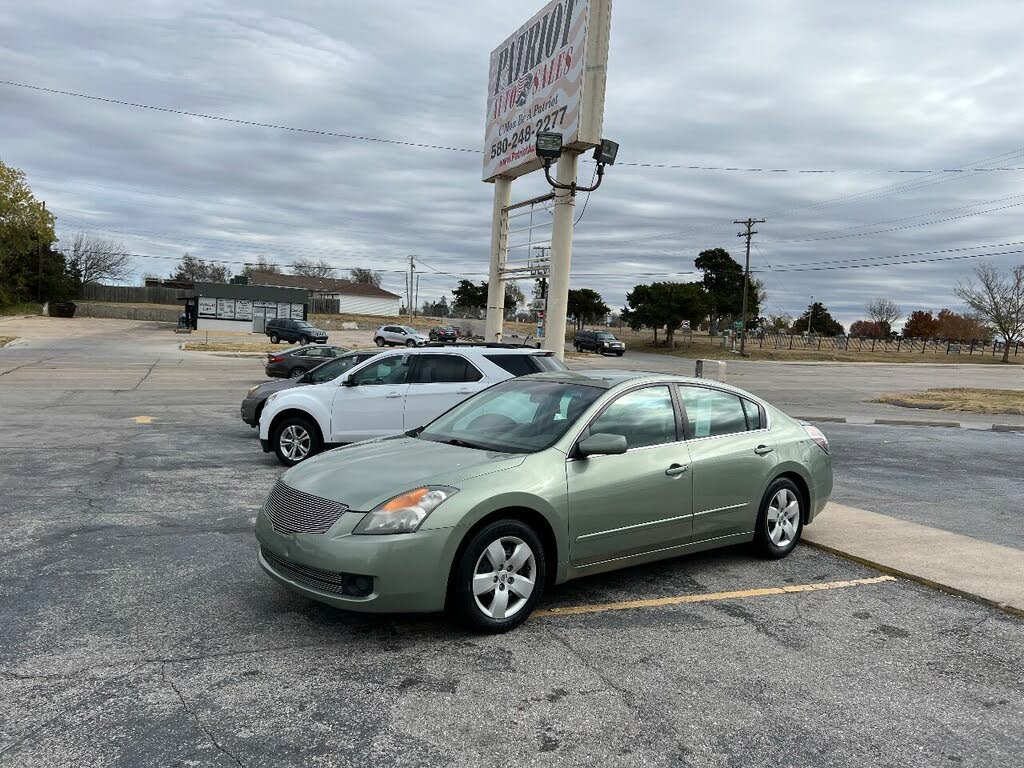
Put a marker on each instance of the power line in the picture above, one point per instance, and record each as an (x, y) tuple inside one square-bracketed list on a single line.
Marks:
[(898, 263), (239, 121), (467, 150), (890, 256), (895, 229)]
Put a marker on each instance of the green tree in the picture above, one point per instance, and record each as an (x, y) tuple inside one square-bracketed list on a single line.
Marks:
[(820, 321), (365, 275), (723, 281), (29, 267), (586, 306), (194, 269), (666, 304), (469, 296)]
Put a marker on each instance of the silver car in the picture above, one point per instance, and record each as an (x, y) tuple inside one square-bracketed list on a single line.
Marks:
[(399, 336)]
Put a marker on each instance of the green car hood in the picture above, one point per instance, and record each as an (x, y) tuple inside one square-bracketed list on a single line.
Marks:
[(367, 474)]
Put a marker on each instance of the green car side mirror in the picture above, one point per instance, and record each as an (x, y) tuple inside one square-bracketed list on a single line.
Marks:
[(601, 444)]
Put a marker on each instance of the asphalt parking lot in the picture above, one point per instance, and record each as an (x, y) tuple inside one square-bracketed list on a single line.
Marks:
[(139, 629)]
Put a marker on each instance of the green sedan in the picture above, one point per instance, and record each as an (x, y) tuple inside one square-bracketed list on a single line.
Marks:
[(538, 480)]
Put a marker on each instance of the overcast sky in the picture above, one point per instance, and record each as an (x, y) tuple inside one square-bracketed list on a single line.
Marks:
[(856, 87)]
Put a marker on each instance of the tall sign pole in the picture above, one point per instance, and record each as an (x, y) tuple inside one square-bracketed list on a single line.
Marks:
[(561, 256), (547, 77), (748, 233), (499, 252)]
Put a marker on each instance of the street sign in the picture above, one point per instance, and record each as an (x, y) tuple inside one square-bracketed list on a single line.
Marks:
[(537, 304)]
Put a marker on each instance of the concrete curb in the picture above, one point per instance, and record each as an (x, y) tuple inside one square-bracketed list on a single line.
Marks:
[(978, 570), (1012, 610), (916, 423), (1008, 427)]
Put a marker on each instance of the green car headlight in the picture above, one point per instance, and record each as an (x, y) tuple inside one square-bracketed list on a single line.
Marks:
[(404, 513)]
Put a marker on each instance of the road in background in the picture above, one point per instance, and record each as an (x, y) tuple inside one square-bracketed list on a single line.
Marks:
[(837, 389), (960, 480)]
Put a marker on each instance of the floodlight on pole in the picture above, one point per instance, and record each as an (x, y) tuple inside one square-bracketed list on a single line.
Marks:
[(549, 149)]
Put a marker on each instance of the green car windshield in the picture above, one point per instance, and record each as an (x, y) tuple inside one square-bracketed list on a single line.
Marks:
[(516, 416)]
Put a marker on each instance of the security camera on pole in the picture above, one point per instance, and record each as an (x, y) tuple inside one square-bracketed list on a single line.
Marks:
[(545, 102)]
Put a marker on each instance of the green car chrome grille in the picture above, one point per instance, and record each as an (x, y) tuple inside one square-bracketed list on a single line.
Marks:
[(292, 511)]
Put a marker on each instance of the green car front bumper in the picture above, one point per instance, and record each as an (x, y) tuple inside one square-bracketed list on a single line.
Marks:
[(407, 571)]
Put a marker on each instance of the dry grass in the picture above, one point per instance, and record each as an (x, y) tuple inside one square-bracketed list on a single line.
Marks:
[(5, 340), (234, 346), (968, 400)]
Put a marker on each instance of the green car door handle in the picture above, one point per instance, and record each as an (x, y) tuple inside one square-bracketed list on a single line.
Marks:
[(762, 450), (677, 469)]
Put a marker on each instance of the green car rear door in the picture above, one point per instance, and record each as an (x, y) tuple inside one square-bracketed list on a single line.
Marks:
[(732, 457)]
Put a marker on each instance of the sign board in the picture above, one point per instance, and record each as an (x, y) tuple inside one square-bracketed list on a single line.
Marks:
[(298, 310), (243, 309), (226, 309), (548, 76), (537, 304), (207, 307), (685, 325)]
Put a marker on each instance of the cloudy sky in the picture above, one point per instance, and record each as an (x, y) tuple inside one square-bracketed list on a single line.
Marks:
[(857, 88)]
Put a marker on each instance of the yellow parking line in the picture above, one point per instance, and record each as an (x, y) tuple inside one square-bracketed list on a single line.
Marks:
[(739, 594)]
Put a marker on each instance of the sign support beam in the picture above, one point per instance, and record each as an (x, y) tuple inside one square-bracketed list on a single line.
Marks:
[(499, 252), (561, 256)]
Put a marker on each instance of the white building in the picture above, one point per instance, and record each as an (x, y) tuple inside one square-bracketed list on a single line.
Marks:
[(352, 298), (243, 308)]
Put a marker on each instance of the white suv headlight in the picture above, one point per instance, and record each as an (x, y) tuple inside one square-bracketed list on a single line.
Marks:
[(405, 513)]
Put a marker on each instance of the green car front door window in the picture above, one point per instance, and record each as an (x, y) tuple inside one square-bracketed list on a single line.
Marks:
[(644, 417), (516, 416)]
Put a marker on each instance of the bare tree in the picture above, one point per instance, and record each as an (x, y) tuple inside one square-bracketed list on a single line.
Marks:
[(97, 258), (365, 275), (310, 268), (998, 299), (885, 312)]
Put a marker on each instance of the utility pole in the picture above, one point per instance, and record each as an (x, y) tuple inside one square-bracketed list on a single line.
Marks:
[(542, 315), (39, 256), (409, 291), (749, 233)]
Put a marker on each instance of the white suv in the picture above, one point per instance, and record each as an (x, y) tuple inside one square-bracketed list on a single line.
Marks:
[(388, 394), (400, 335)]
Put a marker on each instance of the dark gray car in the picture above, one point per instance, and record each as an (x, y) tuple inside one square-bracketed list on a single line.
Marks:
[(292, 363), (256, 397)]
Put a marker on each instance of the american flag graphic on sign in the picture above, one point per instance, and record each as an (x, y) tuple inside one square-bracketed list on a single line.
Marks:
[(524, 85)]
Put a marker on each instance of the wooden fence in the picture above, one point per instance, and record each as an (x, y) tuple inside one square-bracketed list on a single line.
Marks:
[(325, 306), (130, 294)]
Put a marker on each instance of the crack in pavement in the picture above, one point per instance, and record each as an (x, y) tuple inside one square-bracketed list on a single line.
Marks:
[(195, 716), (154, 365), (26, 365)]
